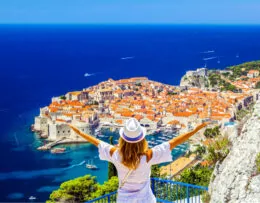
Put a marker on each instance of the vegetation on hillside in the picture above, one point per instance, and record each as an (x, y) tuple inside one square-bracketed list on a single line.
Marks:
[(242, 113), (218, 150), (216, 81), (198, 175), (242, 69), (212, 132), (172, 93), (63, 97), (200, 151), (257, 161), (257, 85)]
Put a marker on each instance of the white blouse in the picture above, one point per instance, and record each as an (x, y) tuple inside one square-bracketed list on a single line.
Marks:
[(137, 186)]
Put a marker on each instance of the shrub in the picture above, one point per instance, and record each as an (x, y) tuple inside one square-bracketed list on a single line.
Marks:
[(257, 161), (218, 150), (205, 197), (198, 175), (257, 85), (212, 132), (63, 97)]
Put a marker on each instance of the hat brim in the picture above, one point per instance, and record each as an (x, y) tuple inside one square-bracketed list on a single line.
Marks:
[(121, 132)]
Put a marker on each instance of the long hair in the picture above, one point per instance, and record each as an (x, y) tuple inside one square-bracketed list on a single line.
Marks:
[(131, 152)]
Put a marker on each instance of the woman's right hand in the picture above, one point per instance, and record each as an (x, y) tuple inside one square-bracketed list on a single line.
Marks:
[(202, 125), (76, 130)]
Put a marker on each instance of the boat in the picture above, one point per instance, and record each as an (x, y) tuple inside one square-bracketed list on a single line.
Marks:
[(90, 165), (128, 57), (97, 132), (100, 135), (32, 198), (58, 150), (164, 138)]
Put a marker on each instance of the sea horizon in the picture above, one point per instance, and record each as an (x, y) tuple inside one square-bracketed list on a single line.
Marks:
[(38, 64)]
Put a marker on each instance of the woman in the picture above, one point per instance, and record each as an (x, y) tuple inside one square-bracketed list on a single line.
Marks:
[(133, 159)]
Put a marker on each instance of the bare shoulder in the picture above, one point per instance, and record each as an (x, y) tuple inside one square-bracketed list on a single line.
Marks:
[(149, 155), (112, 150)]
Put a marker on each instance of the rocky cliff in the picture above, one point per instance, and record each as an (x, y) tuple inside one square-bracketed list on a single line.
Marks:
[(235, 179), (197, 78)]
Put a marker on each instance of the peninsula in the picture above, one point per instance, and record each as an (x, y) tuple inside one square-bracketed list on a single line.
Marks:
[(203, 95)]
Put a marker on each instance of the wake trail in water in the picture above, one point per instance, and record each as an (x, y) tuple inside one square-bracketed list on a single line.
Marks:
[(75, 165), (36, 173)]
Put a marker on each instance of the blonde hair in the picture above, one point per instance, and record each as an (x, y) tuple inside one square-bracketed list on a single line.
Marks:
[(131, 152)]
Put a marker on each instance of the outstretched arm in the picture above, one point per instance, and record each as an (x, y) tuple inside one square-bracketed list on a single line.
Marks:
[(89, 138), (182, 138)]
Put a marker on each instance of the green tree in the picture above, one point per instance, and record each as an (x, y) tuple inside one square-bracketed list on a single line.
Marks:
[(82, 189), (111, 167), (200, 150), (155, 171), (257, 85), (63, 97), (78, 190), (212, 132), (216, 131), (109, 186), (198, 175), (208, 132)]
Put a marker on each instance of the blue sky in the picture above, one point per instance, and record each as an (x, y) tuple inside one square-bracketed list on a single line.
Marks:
[(131, 11)]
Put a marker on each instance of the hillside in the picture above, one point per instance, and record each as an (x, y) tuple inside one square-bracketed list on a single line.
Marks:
[(233, 78)]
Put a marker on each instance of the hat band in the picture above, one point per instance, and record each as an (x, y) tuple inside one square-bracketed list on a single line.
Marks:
[(133, 139)]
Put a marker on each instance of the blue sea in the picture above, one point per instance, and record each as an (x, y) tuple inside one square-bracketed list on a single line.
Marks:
[(38, 62)]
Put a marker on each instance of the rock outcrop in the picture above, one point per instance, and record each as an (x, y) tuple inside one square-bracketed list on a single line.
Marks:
[(196, 78), (235, 179)]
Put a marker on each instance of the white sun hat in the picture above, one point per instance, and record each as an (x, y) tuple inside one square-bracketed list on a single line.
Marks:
[(132, 131)]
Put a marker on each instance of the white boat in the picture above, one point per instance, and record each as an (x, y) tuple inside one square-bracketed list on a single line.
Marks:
[(90, 165), (32, 198), (97, 131), (164, 138), (128, 57), (58, 150)]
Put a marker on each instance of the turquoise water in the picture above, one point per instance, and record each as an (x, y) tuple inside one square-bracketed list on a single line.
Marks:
[(41, 171), (229, 123)]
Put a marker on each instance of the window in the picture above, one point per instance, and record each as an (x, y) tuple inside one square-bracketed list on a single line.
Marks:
[(63, 131), (58, 131), (68, 131)]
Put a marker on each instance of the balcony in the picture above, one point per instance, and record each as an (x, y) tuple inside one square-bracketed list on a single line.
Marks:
[(165, 191)]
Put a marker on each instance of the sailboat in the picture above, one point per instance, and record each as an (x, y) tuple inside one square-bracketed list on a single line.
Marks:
[(90, 165)]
